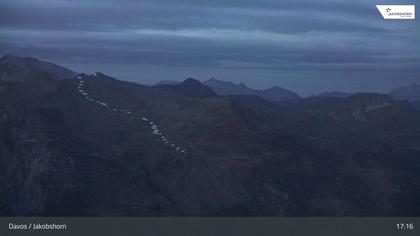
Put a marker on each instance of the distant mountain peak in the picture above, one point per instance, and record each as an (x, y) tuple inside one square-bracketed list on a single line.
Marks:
[(99, 74), (242, 85), (410, 92), (275, 88), (8, 56), (190, 88), (192, 81), (275, 93), (333, 94), (12, 58)]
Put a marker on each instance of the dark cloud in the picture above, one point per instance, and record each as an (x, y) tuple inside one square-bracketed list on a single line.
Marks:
[(257, 42)]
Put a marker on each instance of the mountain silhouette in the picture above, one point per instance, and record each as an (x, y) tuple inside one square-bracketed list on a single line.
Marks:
[(190, 88), (93, 145), (333, 94), (15, 68), (410, 92), (272, 94)]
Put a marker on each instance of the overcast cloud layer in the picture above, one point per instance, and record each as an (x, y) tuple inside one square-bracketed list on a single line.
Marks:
[(305, 46)]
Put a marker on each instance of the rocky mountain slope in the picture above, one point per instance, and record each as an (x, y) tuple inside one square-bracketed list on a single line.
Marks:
[(64, 153), (272, 94), (15, 68)]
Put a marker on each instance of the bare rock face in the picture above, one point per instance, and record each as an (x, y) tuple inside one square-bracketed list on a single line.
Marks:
[(64, 153)]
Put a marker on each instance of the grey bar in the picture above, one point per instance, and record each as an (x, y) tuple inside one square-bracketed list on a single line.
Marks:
[(190, 226)]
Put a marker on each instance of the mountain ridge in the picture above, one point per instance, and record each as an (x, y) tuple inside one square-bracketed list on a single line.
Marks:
[(62, 154), (15, 68), (275, 93), (410, 92), (338, 94), (190, 88)]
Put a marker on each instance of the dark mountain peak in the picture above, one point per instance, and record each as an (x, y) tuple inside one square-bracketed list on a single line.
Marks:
[(212, 79), (229, 88), (11, 58), (190, 88), (242, 85), (191, 81), (213, 82), (107, 79), (277, 93), (275, 88), (16, 68), (18, 60), (8, 57), (96, 75), (100, 74)]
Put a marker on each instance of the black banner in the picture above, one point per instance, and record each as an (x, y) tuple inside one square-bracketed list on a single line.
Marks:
[(210, 226)]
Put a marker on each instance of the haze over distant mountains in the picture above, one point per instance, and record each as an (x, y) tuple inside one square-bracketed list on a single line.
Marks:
[(272, 94), (65, 150), (410, 92), (333, 94), (224, 88), (276, 94)]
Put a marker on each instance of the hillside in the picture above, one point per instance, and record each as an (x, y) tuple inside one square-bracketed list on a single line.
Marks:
[(82, 147), (15, 68)]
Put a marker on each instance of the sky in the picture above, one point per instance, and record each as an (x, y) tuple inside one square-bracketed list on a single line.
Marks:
[(305, 46)]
